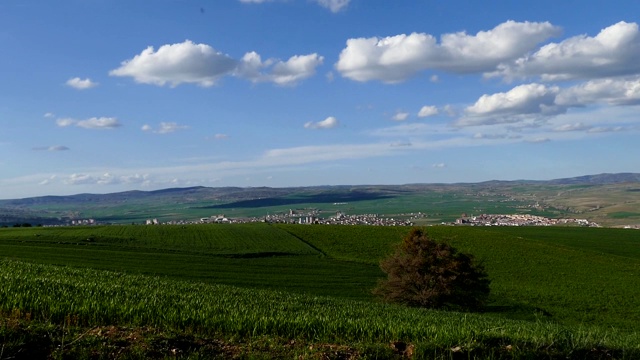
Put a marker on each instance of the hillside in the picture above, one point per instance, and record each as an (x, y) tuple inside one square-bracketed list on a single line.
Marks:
[(608, 199)]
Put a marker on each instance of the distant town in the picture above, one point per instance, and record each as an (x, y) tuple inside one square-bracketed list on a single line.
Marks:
[(340, 218), (520, 220), (313, 216)]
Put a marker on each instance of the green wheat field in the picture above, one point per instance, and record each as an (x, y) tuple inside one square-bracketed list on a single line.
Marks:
[(304, 291)]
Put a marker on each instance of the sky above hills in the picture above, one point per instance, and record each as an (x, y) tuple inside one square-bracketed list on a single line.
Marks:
[(102, 96)]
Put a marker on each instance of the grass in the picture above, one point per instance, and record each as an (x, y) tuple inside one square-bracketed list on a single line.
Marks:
[(303, 274), (572, 286), (207, 238), (93, 297), (570, 275)]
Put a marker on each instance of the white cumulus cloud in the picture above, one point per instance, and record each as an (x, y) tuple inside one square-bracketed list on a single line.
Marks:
[(396, 58), (327, 123), (66, 122), (175, 64), (81, 84), (400, 116), (616, 91), (290, 72), (614, 51), (297, 68), (201, 64), (513, 106), (428, 111)]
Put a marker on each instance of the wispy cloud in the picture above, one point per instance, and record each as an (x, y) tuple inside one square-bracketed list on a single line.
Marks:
[(218, 137), (51, 148), (328, 123), (572, 127), (99, 123), (164, 128), (334, 5), (105, 179)]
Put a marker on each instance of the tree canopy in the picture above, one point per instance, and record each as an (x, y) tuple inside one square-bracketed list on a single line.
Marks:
[(432, 274)]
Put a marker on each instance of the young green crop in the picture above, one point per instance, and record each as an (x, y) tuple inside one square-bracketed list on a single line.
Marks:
[(202, 238), (571, 275), (567, 275), (95, 297)]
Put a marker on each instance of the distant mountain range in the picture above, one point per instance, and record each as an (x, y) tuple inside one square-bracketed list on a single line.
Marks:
[(600, 179), (49, 209), (236, 193)]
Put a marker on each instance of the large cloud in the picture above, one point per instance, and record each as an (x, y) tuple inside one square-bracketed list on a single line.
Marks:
[(614, 51), (176, 64), (522, 103), (522, 99), (610, 91), (201, 64), (396, 58), (531, 102)]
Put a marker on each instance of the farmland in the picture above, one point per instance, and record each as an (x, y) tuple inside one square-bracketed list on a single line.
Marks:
[(572, 286), (607, 199)]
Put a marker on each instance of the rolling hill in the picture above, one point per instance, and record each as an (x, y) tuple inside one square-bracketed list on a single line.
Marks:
[(610, 199)]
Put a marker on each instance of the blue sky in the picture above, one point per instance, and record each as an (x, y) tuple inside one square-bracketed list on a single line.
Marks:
[(102, 96)]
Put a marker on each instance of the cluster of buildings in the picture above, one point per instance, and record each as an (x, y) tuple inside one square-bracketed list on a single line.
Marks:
[(83, 222), (305, 217), (312, 217), (365, 219), (218, 219), (519, 220)]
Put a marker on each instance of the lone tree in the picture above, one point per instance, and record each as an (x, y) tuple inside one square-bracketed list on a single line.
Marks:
[(426, 273)]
